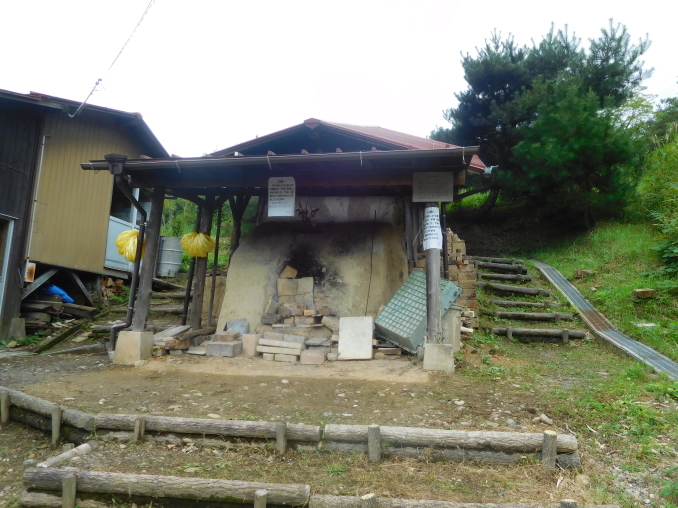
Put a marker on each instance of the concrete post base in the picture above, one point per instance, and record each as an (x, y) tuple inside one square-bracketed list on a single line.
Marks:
[(132, 347), (439, 357)]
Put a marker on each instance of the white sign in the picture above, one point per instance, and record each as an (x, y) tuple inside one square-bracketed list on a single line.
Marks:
[(281, 195), (433, 233), (432, 187)]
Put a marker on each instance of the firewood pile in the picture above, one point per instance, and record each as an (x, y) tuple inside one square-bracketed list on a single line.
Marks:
[(111, 287)]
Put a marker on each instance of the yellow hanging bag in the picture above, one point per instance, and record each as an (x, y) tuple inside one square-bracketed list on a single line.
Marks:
[(197, 245), (127, 244)]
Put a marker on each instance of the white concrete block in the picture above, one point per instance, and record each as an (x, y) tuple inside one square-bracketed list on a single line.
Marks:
[(281, 343), (249, 345), (132, 347), (268, 356), (439, 357), (355, 338), (312, 357), (228, 349)]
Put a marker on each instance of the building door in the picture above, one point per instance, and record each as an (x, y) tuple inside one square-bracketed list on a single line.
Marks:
[(6, 227)]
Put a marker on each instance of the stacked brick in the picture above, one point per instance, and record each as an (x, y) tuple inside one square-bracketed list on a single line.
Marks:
[(462, 271)]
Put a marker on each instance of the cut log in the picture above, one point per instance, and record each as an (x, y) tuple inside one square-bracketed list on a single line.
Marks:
[(42, 407), (167, 486), (410, 436), (49, 307), (170, 309), (529, 316), (645, 293), (502, 267), (75, 452), (163, 285), (44, 423), (564, 460), (175, 296), (505, 261), (79, 310), (44, 500), (514, 289), (505, 276), (539, 332), (537, 305), (232, 428)]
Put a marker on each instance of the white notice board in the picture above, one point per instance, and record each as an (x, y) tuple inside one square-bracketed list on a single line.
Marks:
[(281, 196), (433, 233), (432, 187)]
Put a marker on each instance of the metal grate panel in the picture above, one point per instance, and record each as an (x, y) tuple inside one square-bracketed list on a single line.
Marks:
[(403, 320)]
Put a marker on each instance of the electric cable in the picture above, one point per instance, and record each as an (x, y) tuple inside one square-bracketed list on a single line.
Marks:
[(148, 8)]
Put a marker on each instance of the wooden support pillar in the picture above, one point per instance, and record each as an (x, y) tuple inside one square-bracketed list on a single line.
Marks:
[(57, 415), (374, 443), (549, 449), (409, 232), (68, 491), (446, 255), (139, 429), (280, 438), (238, 206), (260, 498), (191, 271), (433, 305), (4, 408), (201, 271), (149, 263), (215, 267)]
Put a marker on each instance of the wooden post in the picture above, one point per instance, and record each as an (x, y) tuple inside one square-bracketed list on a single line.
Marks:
[(215, 267), (568, 503), (149, 263), (68, 491), (280, 438), (549, 449), (200, 271), (369, 501), (433, 309), (4, 408), (409, 235), (260, 496), (566, 336), (374, 443), (191, 271), (139, 429), (57, 415), (446, 255)]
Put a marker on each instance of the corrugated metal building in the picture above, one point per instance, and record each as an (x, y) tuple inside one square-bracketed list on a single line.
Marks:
[(50, 212)]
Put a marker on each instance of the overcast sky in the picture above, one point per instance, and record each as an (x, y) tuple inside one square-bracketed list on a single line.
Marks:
[(210, 74)]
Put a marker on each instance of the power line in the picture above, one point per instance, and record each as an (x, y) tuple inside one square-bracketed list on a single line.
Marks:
[(148, 8)]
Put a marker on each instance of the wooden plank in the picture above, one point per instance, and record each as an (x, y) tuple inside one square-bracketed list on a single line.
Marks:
[(539, 332), (76, 279), (38, 282), (79, 310)]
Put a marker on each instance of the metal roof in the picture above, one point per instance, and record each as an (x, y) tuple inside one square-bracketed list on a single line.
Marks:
[(385, 138), (135, 123)]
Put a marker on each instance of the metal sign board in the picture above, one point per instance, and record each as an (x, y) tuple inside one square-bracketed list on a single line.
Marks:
[(433, 233), (281, 196), (432, 187)]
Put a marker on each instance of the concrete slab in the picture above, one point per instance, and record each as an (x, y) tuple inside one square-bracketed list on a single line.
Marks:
[(439, 357), (283, 344), (132, 347), (286, 358), (197, 350), (268, 356), (249, 345), (305, 285), (317, 341), (299, 339), (305, 299), (171, 332), (238, 325), (288, 273), (271, 307), (228, 349), (355, 338), (273, 336), (229, 336), (280, 350), (312, 357), (287, 287)]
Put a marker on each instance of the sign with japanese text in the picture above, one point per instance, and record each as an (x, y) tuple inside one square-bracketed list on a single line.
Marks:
[(281, 196), (432, 187), (433, 233)]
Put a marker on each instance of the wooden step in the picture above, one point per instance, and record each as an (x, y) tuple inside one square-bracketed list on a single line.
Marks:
[(528, 316), (505, 276), (514, 289)]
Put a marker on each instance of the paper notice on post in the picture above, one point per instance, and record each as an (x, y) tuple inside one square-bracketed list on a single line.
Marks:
[(281, 196), (433, 233)]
